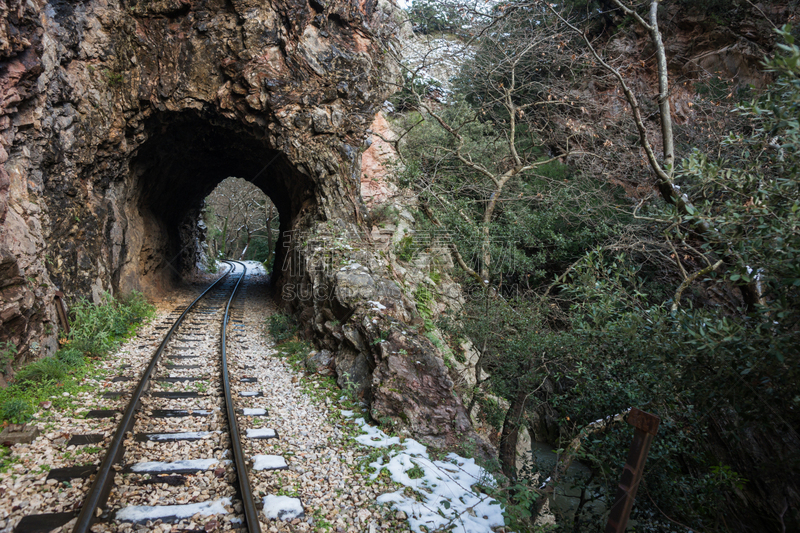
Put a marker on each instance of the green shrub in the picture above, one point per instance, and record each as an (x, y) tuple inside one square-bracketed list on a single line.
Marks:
[(415, 472), (114, 79), (381, 215), (282, 327), (262, 248), (136, 308), (71, 356), (296, 352), (16, 411), (96, 329), (405, 249), (491, 410), (424, 300), (211, 264), (89, 347), (43, 370)]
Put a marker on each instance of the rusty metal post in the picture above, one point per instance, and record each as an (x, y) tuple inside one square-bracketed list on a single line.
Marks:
[(646, 428)]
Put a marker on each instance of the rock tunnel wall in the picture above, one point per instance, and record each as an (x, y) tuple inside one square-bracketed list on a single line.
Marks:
[(118, 116)]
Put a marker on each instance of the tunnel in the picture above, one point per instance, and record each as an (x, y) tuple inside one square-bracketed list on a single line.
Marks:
[(185, 156)]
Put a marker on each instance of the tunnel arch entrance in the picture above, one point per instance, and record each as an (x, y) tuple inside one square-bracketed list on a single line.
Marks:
[(184, 157)]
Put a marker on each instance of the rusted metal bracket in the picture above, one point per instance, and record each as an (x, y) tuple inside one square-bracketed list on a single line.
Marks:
[(646, 427), (61, 311)]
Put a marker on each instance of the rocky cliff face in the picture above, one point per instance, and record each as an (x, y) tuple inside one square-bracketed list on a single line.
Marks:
[(119, 116)]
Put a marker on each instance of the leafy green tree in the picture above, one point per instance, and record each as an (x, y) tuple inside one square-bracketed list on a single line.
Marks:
[(488, 171), (623, 310), (723, 380)]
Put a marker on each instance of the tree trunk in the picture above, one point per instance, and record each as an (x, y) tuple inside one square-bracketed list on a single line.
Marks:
[(246, 246), (508, 437), (225, 239), (270, 212), (565, 459), (665, 112)]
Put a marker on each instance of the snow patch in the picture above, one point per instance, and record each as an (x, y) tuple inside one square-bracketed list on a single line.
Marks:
[(255, 268), (376, 306), (445, 487), (143, 513), (188, 435), (184, 464), (282, 507), (268, 462), (261, 433)]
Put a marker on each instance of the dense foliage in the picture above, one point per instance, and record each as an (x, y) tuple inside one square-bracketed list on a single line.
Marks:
[(595, 302), (545, 220)]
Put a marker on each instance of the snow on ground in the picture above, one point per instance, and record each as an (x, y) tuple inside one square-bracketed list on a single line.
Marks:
[(260, 433), (268, 462), (255, 268), (282, 507), (445, 487), (183, 464), (376, 306), (143, 513), (186, 435)]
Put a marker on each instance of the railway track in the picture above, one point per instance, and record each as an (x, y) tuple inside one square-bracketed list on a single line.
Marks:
[(182, 448)]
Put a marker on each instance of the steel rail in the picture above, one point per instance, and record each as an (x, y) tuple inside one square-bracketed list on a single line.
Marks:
[(248, 503), (101, 487)]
